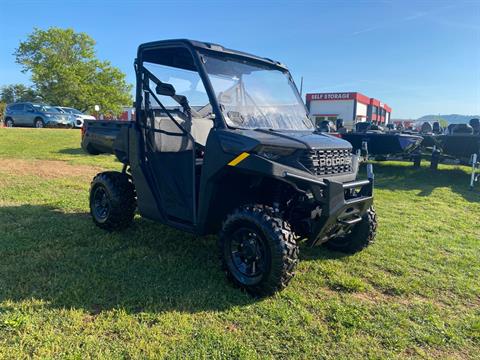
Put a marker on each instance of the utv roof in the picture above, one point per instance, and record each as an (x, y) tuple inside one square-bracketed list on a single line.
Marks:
[(201, 45)]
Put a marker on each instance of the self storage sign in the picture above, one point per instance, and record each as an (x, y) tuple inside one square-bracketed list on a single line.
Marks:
[(330, 96)]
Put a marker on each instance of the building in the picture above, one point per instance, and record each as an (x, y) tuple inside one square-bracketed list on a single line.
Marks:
[(128, 114), (352, 107)]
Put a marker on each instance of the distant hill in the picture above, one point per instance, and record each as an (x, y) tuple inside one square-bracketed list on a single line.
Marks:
[(451, 119)]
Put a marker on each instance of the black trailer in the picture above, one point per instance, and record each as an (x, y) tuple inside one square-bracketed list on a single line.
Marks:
[(383, 144), (460, 142)]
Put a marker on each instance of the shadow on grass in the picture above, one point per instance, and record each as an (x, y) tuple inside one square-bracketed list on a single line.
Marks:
[(72, 151), (398, 177), (319, 252), (66, 261)]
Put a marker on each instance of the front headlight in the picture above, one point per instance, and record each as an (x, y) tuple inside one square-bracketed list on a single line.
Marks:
[(274, 152), (48, 115)]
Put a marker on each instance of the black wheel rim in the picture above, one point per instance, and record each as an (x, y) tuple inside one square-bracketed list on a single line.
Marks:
[(248, 252), (101, 203)]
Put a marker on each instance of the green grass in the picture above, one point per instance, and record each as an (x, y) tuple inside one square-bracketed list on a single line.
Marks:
[(71, 290), (59, 144)]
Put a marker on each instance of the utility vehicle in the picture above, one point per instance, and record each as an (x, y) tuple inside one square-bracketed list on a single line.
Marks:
[(222, 144)]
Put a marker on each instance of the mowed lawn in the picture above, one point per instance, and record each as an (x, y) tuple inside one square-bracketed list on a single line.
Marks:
[(71, 290)]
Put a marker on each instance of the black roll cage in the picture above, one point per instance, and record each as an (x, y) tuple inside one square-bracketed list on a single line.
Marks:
[(197, 49)]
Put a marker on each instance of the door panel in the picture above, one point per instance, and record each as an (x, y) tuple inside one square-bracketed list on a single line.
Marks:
[(173, 115), (28, 115), (170, 154), (19, 114)]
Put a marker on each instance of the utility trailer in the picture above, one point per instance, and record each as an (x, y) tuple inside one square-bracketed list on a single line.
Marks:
[(222, 144), (459, 144)]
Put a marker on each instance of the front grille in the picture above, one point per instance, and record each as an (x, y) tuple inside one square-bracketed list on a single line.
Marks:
[(328, 161)]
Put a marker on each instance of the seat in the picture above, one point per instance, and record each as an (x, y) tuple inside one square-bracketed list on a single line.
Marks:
[(475, 124), (168, 137), (462, 129), (200, 129), (426, 128), (437, 129)]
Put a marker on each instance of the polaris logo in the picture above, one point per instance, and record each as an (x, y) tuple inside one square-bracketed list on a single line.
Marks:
[(328, 161), (335, 161)]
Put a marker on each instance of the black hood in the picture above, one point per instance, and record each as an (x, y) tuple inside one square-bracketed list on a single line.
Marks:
[(297, 139)]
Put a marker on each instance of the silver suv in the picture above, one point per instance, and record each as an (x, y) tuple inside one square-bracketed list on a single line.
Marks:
[(36, 115), (76, 116)]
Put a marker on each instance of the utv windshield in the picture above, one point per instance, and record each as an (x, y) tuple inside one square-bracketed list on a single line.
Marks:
[(254, 96)]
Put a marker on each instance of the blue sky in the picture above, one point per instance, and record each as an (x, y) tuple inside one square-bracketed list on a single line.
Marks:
[(420, 57)]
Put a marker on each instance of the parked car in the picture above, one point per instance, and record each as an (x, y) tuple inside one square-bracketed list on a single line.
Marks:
[(76, 116), (36, 115)]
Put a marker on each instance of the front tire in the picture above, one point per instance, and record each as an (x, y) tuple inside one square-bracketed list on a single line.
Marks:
[(362, 235), (112, 200), (258, 251), (38, 123)]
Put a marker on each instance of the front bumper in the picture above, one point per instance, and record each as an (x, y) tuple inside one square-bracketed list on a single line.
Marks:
[(59, 124), (338, 203), (340, 206)]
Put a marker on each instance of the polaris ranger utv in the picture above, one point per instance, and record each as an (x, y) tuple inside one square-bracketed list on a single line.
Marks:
[(222, 144)]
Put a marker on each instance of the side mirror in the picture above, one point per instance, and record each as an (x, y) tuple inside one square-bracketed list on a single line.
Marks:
[(165, 89)]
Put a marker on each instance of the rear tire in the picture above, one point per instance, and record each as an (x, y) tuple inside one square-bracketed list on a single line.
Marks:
[(9, 123), (258, 251), (90, 150), (362, 235), (112, 200)]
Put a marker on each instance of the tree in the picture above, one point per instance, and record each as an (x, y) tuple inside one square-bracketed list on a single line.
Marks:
[(443, 122), (66, 71), (17, 92), (2, 110)]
